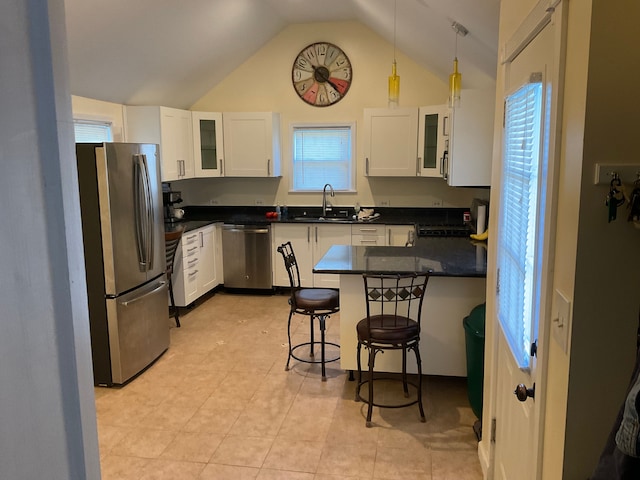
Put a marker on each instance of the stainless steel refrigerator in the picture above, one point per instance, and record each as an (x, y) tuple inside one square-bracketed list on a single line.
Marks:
[(123, 235)]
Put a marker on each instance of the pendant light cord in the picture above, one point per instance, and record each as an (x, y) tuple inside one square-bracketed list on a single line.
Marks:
[(395, 13)]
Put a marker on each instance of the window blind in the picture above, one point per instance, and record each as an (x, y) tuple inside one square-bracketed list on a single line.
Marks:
[(92, 132), (322, 155), (518, 220)]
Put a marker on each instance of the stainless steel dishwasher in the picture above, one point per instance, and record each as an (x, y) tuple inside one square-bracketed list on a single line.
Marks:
[(247, 256)]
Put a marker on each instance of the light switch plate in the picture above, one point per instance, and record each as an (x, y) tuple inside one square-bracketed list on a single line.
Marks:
[(561, 319)]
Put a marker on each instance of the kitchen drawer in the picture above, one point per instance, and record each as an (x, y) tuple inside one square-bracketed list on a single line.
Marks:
[(379, 240), (368, 235)]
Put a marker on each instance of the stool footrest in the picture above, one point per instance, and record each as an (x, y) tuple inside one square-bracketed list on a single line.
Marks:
[(382, 405), (313, 361)]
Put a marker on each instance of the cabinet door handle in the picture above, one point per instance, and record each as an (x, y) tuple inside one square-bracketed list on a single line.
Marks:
[(418, 166), (445, 165), (368, 229), (445, 125), (222, 167), (308, 234), (389, 240), (366, 166), (364, 240), (201, 239), (268, 167), (316, 234)]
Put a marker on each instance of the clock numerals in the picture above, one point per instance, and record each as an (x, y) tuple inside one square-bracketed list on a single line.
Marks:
[(300, 74), (321, 52), (310, 54), (332, 54), (311, 94), (340, 85), (321, 74), (341, 73), (304, 64)]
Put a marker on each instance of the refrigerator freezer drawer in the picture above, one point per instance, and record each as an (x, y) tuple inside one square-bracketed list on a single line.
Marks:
[(138, 329)]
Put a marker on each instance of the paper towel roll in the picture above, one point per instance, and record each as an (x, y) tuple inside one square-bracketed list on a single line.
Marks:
[(481, 221)]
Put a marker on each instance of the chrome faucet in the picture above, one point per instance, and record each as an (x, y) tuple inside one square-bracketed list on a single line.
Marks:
[(326, 205)]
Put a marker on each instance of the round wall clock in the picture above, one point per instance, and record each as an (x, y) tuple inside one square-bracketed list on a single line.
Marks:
[(321, 74)]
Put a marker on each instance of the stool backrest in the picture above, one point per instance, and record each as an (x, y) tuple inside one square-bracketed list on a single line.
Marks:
[(171, 241), (291, 265), (396, 296)]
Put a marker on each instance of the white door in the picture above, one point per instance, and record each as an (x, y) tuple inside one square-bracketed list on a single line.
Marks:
[(523, 293)]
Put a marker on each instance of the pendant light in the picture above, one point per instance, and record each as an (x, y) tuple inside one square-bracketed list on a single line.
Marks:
[(394, 79), (455, 79)]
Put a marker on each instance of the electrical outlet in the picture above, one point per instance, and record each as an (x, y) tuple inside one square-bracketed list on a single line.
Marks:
[(214, 201), (259, 202), (385, 203), (436, 203)]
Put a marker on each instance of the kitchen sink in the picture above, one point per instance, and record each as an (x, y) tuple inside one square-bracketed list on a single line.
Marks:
[(323, 219)]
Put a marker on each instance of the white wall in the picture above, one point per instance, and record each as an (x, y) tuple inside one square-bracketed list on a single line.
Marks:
[(90, 109), (263, 83), (47, 412)]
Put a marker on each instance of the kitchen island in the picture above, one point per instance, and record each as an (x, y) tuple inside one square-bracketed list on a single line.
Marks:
[(457, 283)]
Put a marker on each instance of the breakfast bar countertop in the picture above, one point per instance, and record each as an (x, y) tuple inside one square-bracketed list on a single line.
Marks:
[(444, 257)]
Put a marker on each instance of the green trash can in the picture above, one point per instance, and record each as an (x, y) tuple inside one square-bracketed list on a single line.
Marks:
[(474, 340)]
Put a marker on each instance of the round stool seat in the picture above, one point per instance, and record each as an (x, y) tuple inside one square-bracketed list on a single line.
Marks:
[(387, 329), (311, 299)]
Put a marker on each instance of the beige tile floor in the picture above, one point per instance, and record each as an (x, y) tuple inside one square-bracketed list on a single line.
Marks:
[(219, 405)]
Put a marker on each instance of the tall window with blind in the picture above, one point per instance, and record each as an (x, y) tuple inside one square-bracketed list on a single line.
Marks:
[(519, 217), (321, 155)]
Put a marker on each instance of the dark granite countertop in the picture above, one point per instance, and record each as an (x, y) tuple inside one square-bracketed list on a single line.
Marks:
[(444, 257), (187, 225), (257, 215)]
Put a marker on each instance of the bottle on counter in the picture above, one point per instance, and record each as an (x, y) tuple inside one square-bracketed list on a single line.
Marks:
[(278, 211), (285, 211)]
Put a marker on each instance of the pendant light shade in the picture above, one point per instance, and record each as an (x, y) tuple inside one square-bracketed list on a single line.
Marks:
[(455, 79), (394, 78), (394, 86), (455, 85)]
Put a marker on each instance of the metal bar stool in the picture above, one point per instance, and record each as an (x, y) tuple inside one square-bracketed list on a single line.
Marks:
[(315, 303), (171, 242), (394, 305)]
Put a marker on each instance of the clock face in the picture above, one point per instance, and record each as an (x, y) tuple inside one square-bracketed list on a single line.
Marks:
[(321, 74)]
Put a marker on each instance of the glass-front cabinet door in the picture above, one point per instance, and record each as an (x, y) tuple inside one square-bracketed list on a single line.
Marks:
[(208, 148), (433, 139)]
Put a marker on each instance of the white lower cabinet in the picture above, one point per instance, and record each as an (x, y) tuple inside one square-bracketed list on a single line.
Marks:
[(397, 235), (195, 269), (310, 242)]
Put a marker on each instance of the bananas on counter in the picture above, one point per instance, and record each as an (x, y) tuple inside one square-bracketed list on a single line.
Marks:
[(480, 236)]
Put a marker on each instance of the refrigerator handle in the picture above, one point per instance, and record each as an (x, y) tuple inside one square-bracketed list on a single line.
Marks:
[(150, 217), (138, 192), (160, 286)]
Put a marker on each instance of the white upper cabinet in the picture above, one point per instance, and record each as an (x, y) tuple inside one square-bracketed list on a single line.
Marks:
[(433, 136), (468, 163), (251, 144), (171, 129), (391, 142), (208, 144)]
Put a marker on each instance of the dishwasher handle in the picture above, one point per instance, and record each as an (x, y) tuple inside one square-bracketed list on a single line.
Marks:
[(246, 229)]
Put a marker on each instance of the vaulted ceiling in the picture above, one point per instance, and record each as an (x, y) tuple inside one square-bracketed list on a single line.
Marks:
[(171, 52)]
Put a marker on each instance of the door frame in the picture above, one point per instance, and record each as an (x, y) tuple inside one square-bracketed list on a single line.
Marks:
[(545, 13)]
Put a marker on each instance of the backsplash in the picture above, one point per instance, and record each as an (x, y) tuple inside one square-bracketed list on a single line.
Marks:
[(378, 192)]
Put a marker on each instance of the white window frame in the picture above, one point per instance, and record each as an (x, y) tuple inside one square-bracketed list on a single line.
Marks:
[(352, 167), (518, 268)]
